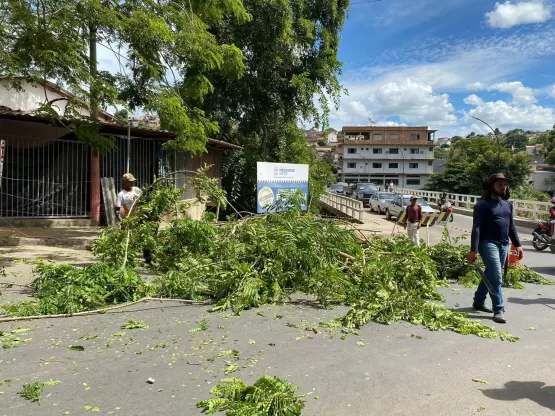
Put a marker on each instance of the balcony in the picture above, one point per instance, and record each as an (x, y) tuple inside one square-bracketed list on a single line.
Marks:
[(369, 155)]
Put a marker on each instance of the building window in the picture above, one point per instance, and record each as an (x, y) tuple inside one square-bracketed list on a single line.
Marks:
[(351, 165), (351, 150), (415, 136), (394, 136), (377, 136), (393, 151), (377, 165), (377, 151), (414, 151), (431, 149), (430, 162), (413, 181), (413, 165), (393, 166)]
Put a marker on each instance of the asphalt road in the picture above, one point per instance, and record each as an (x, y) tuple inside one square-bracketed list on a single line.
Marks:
[(542, 262), (398, 369)]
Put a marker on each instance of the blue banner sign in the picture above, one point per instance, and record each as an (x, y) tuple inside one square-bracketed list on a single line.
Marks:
[(275, 181)]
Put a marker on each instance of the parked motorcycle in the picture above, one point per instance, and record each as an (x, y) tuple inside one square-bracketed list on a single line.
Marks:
[(447, 207), (542, 236)]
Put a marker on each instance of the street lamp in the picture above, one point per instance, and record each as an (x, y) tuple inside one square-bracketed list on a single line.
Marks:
[(496, 138)]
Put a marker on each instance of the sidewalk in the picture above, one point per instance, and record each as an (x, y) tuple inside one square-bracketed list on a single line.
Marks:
[(74, 237)]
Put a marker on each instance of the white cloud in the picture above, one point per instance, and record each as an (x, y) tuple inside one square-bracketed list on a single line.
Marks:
[(473, 99), (412, 102), (520, 93), (506, 15), (507, 116), (552, 92), (438, 66), (475, 86)]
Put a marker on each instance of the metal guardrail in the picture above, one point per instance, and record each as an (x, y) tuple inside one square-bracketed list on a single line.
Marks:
[(524, 209), (348, 206)]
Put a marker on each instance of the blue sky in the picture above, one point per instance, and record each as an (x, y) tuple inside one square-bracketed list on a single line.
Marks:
[(439, 62)]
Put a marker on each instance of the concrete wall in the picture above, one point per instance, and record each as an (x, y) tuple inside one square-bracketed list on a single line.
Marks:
[(543, 181), (31, 97), (193, 212)]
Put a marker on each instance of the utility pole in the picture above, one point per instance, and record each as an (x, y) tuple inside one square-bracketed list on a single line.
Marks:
[(95, 161)]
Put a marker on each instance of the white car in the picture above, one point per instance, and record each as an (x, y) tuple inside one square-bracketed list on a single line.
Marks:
[(400, 203), (378, 201)]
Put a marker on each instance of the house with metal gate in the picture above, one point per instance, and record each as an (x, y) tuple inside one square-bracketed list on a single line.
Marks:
[(47, 173)]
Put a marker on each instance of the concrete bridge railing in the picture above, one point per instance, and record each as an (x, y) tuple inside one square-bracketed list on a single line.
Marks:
[(342, 206), (524, 209)]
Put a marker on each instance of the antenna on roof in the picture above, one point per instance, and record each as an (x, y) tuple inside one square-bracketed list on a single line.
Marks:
[(371, 121)]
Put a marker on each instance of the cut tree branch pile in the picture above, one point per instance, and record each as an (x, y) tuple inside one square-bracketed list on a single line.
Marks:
[(245, 263)]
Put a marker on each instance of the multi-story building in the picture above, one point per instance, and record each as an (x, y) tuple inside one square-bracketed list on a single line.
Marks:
[(402, 155)]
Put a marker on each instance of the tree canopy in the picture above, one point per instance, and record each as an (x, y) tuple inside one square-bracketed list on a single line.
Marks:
[(473, 161), (290, 49), (165, 51)]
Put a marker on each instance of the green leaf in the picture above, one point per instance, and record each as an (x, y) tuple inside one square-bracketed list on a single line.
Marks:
[(479, 380), (77, 348), (132, 324)]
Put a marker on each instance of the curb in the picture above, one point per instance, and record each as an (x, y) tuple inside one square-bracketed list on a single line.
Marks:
[(77, 244)]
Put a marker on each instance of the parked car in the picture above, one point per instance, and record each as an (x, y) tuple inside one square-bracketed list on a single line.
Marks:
[(399, 204), (337, 189), (378, 200), (363, 192)]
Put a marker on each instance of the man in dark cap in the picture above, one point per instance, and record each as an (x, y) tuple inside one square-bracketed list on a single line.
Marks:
[(492, 229)]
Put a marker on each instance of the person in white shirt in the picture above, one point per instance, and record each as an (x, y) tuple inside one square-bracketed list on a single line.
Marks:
[(127, 196)]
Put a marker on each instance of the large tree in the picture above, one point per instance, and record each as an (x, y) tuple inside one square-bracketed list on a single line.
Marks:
[(165, 50), (291, 69)]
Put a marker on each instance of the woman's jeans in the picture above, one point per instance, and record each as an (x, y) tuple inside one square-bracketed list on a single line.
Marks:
[(494, 257)]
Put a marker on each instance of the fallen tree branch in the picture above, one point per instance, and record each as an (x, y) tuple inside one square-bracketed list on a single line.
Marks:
[(347, 256), (104, 310)]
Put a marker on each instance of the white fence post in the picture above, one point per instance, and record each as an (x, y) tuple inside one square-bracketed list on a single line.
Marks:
[(524, 209), (348, 206)]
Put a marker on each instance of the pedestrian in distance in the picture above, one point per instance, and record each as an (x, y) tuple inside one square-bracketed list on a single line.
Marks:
[(492, 229), (413, 220)]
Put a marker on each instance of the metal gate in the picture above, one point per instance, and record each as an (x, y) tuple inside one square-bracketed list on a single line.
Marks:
[(145, 160), (45, 178)]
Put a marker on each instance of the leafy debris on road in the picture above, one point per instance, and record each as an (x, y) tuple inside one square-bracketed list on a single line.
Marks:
[(203, 326), (479, 380), (33, 391), (268, 395), (133, 324), (77, 348)]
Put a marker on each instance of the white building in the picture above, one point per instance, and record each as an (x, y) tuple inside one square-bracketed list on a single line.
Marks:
[(332, 136), (402, 155), (30, 96)]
